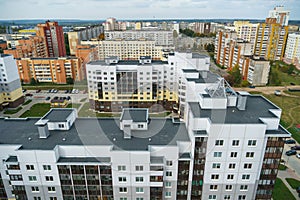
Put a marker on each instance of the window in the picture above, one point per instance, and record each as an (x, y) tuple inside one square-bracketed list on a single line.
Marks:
[(61, 126), (139, 198), (241, 197), (139, 179), (226, 197), (216, 165), (139, 168), (233, 154), (53, 198), (168, 184), (47, 167), (139, 190), (30, 167), (168, 173), (213, 187), (228, 187), (123, 189), (121, 168), (169, 163), (245, 176), (215, 176), (32, 178), (123, 198), (212, 196), (235, 142), (219, 142), (247, 166), (51, 189), (36, 198), (49, 178), (140, 125), (244, 187), (217, 154), (251, 142), (230, 176), (35, 189), (249, 154), (168, 194), (231, 165), (122, 179)]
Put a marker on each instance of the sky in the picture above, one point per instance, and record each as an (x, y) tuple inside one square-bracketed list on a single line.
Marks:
[(143, 9)]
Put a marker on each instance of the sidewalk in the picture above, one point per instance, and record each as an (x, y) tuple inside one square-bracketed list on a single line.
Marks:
[(289, 173)]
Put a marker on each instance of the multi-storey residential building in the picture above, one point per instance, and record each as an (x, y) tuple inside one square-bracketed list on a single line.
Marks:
[(228, 145), (201, 27), (11, 94), (246, 31), (34, 46), (271, 40), (281, 15), (292, 50), (54, 70), (161, 38), (129, 49), (54, 37), (75, 37)]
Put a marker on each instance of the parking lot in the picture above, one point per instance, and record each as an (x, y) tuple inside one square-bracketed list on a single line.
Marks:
[(292, 161)]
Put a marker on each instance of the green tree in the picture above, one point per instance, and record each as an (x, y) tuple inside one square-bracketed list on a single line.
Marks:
[(33, 81), (70, 80), (234, 77), (67, 44)]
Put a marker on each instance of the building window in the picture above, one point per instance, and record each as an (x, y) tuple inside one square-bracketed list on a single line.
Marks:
[(140, 125), (226, 197), (168, 194), (235, 143), (123, 198), (245, 176), (51, 189), (61, 126), (212, 196), (215, 176), (168, 173), (49, 178), (233, 154), (122, 179), (251, 142), (216, 165), (139, 179), (139, 190), (169, 163), (35, 189), (247, 166), (36, 198), (230, 177), (47, 167), (32, 178), (213, 187), (53, 198), (241, 197), (168, 184), (139, 198), (123, 189), (231, 165), (244, 187), (228, 187), (249, 154), (121, 168), (139, 168), (219, 142), (217, 154), (30, 167)]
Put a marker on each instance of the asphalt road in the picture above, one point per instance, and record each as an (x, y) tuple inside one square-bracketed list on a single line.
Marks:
[(291, 161)]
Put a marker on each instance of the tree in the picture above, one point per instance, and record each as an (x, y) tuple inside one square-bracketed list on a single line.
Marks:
[(67, 44), (70, 81), (33, 81), (235, 77)]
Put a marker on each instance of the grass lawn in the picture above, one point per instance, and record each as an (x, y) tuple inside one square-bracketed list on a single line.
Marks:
[(85, 112), (83, 100), (293, 182), (282, 167), (14, 111), (73, 105), (27, 102), (164, 114), (281, 191), (37, 110)]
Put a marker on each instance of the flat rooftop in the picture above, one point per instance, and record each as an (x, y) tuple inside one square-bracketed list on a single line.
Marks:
[(211, 78), (136, 115), (92, 131), (198, 55), (127, 62), (58, 115), (256, 107)]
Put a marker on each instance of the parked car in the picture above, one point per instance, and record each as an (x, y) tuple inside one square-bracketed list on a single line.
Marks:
[(295, 148), (298, 155), (277, 92), (24, 90), (55, 91), (48, 98), (251, 86), (291, 152), (67, 91), (38, 91), (298, 189), (292, 83), (68, 98), (28, 95), (290, 142)]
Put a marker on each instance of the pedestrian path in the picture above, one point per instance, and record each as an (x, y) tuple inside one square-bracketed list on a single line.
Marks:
[(289, 173)]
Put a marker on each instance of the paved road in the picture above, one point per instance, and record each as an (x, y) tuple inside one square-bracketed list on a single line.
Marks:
[(268, 89), (291, 161)]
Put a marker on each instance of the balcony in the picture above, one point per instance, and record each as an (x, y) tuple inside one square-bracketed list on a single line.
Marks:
[(156, 184)]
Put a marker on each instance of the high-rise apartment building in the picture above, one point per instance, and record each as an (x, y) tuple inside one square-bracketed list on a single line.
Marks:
[(246, 31), (51, 70), (11, 94), (281, 15), (228, 146), (54, 37), (292, 50)]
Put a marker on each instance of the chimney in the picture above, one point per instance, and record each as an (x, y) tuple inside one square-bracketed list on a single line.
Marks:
[(242, 100), (43, 128)]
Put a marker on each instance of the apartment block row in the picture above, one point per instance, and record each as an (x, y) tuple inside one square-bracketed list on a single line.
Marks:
[(227, 145)]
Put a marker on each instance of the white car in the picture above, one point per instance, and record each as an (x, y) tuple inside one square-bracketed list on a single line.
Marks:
[(298, 155)]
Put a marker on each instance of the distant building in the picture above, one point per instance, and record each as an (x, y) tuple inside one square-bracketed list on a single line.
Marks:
[(54, 37), (11, 94), (110, 24), (202, 27), (281, 15), (51, 70), (292, 50)]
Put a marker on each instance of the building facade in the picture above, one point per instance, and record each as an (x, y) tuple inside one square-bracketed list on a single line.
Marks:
[(246, 31), (281, 15), (51, 70), (11, 94), (54, 37), (292, 50)]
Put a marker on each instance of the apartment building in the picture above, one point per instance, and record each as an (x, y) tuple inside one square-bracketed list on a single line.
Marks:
[(34, 46), (246, 31), (54, 36), (129, 49), (228, 146), (51, 70), (292, 50), (161, 38), (11, 94), (281, 15), (76, 36)]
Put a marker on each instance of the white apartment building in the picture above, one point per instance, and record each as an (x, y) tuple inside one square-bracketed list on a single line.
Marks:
[(292, 49), (281, 15), (161, 38)]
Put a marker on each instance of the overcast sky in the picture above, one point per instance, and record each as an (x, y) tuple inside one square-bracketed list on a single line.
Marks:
[(143, 9)]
